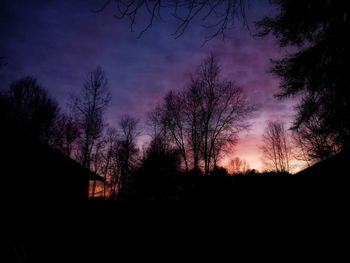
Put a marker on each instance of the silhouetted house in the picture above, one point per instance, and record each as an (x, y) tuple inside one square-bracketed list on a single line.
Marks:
[(327, 181), (333, 167), (35, 174)]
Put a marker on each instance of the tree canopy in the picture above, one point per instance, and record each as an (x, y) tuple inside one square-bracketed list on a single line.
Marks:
[(318, 71), (27, 106)]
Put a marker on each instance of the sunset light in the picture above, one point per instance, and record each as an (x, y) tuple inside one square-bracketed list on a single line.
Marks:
[(113, 104)]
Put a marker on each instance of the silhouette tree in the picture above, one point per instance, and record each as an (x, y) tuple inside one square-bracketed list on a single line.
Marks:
[(300, 149), (109, 161), (204, 118), (27, 106), (217, 15), (89, 107), (312, 143), (96, 166), (175, 123), (156, 176), (238, 166), (127, 148), (276, 147), (224, 110), (156, 123), (169, 122), (318, 71), (66, 135), (194, 118)]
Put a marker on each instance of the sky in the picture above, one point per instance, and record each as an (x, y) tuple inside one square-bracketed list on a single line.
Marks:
[(59, 42)]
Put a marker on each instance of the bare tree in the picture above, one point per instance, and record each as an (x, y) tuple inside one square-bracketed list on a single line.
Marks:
[(221, 148), (66, 135), (158, 121), (224, 110), (115, 169), (276, 147), (205, 117), (300, 149), (237, 166), (167, 123), (155, 122), (127, 148), (174, 120), (110, 164), (194, 119), (89, 107), (216, 15), (97, 164)]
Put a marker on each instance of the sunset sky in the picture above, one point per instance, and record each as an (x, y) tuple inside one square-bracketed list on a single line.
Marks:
[(58, 42)]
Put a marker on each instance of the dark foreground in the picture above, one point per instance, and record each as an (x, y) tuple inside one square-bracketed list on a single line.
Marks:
[(175, 215), (213, 209)]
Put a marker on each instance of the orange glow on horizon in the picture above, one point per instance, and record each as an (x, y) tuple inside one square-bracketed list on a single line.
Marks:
[(247, 149)]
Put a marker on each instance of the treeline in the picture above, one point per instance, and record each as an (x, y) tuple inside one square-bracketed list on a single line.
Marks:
[(189, 130), (81, 133)]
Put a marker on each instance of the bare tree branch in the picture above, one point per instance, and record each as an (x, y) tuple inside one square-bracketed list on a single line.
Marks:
[(277, 147), (223, 13)]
